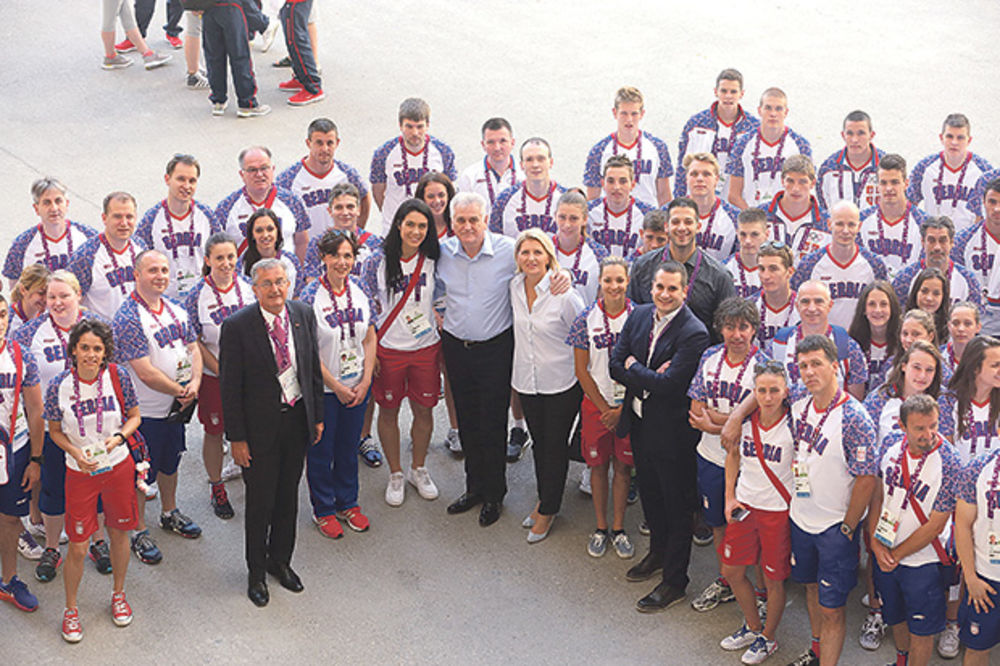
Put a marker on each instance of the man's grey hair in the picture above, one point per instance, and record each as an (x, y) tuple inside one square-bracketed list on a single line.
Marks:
[(266, 265), (249, 149), (463, 199), (43, 185)]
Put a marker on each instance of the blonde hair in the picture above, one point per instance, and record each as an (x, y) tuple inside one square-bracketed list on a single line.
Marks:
[(67, 278), (539, 236), (703, 157), (628, 94), (31, 278)]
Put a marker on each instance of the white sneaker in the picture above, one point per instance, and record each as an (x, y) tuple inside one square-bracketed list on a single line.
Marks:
[(152, 491), (873, 630), (28, 547), (948, 645), (452, 441), (34, 530), (739, 639), (420, 479), (267, 39), (585, 482), (231, 471), (395, 492)]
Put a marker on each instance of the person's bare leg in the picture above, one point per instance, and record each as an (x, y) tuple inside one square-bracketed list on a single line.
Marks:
[(73, 570), (420, 433), (168, 491), (831, 638), (53, 529), (211, 455), (119, 557), (599, 494), (192, 50), (775, 606), (388, 435), (744, 593)]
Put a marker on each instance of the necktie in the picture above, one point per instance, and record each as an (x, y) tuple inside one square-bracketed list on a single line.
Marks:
[(280, 337)]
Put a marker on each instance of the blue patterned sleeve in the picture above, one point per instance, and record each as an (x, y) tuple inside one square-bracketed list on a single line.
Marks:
[(663, 152), (859, 440), (128, 389), (913, 190), (14, 262), (805, 269), (354, 178), (697, 389), (191, 307), (130, 341), (31, 376), (970, 475), (734, 165), (802, 144), (578, 336), (592, 167), (377, 172), (951, 480), (946, 416), (857, 364), (496, 216), (52, 410), (144, 231)]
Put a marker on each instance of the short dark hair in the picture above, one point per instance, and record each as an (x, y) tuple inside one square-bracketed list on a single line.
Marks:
[(655, 219), (751, 215), (536, 140), (619, 161), (734, 310), (993, 185), (729, 74), (858, 116), (322, 125), (344, 189), (98, 328), (495, 124), (893, 162), (956, 120), (812, 343), (939, 222), (681, 202), (180, 158), (921, 403), (118, 196), (671, 266)]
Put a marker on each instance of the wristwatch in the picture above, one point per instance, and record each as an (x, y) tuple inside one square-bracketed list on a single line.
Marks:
[(120, 436), (37, 459), (846, 531)]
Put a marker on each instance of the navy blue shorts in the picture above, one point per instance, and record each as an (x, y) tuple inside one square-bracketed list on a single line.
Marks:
[(980, 631), (165, 441), (14, 500), (52, 498), (712, 492), (828, 559), (914, 594)]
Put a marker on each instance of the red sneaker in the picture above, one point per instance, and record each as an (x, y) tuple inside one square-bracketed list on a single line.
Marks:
[(121, 612), (356, 520), (292, 85), (329, 527), (125, 46), (72, 630), (175, 42), (304, 97)]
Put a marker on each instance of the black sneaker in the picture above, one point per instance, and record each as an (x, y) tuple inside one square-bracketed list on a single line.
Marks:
[(175, 521), (516, 444), (100, 554), (284, 62), (807, 658), (702, 535), (145, 548), (46, 569), (220, 501)]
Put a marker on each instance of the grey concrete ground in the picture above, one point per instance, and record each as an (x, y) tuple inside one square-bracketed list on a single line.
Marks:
[(423, 587)]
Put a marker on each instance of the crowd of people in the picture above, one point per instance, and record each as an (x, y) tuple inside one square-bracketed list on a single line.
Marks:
[(712, 337), (225, 32)]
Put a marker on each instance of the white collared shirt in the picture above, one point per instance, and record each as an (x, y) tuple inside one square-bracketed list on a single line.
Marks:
[(268, 324), (543, 362), (660, 324)]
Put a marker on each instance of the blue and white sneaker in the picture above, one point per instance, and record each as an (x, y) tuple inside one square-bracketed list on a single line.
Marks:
[(739, 639), (16, 592), (759, 650)]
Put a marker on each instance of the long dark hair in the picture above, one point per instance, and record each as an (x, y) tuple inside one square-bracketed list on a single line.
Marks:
[(861, 328), (941, 315), (252, 255), (963, 382), (893, 387), (393, 245), (449, 188)]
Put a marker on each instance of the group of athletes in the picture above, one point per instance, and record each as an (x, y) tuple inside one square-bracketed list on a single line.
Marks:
[(852, 303)]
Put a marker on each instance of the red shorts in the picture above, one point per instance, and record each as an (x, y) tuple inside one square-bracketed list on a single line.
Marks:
[(408, 374), (117, 491), (210, 405), (597, 443), (763, 536)]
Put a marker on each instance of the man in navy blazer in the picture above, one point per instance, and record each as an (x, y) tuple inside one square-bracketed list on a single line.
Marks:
[(272, 405), (655, 415)]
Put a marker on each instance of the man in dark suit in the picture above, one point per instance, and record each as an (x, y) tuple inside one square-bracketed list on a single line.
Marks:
[(272, 405), (655, 358)]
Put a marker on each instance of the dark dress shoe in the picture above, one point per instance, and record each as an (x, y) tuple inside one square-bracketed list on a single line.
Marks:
[(648, 567), (662, 597), (288, 578), (490, 513), (465, 502), (257, 592)]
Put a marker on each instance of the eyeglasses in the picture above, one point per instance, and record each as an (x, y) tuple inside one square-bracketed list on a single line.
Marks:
[(267, 284)]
